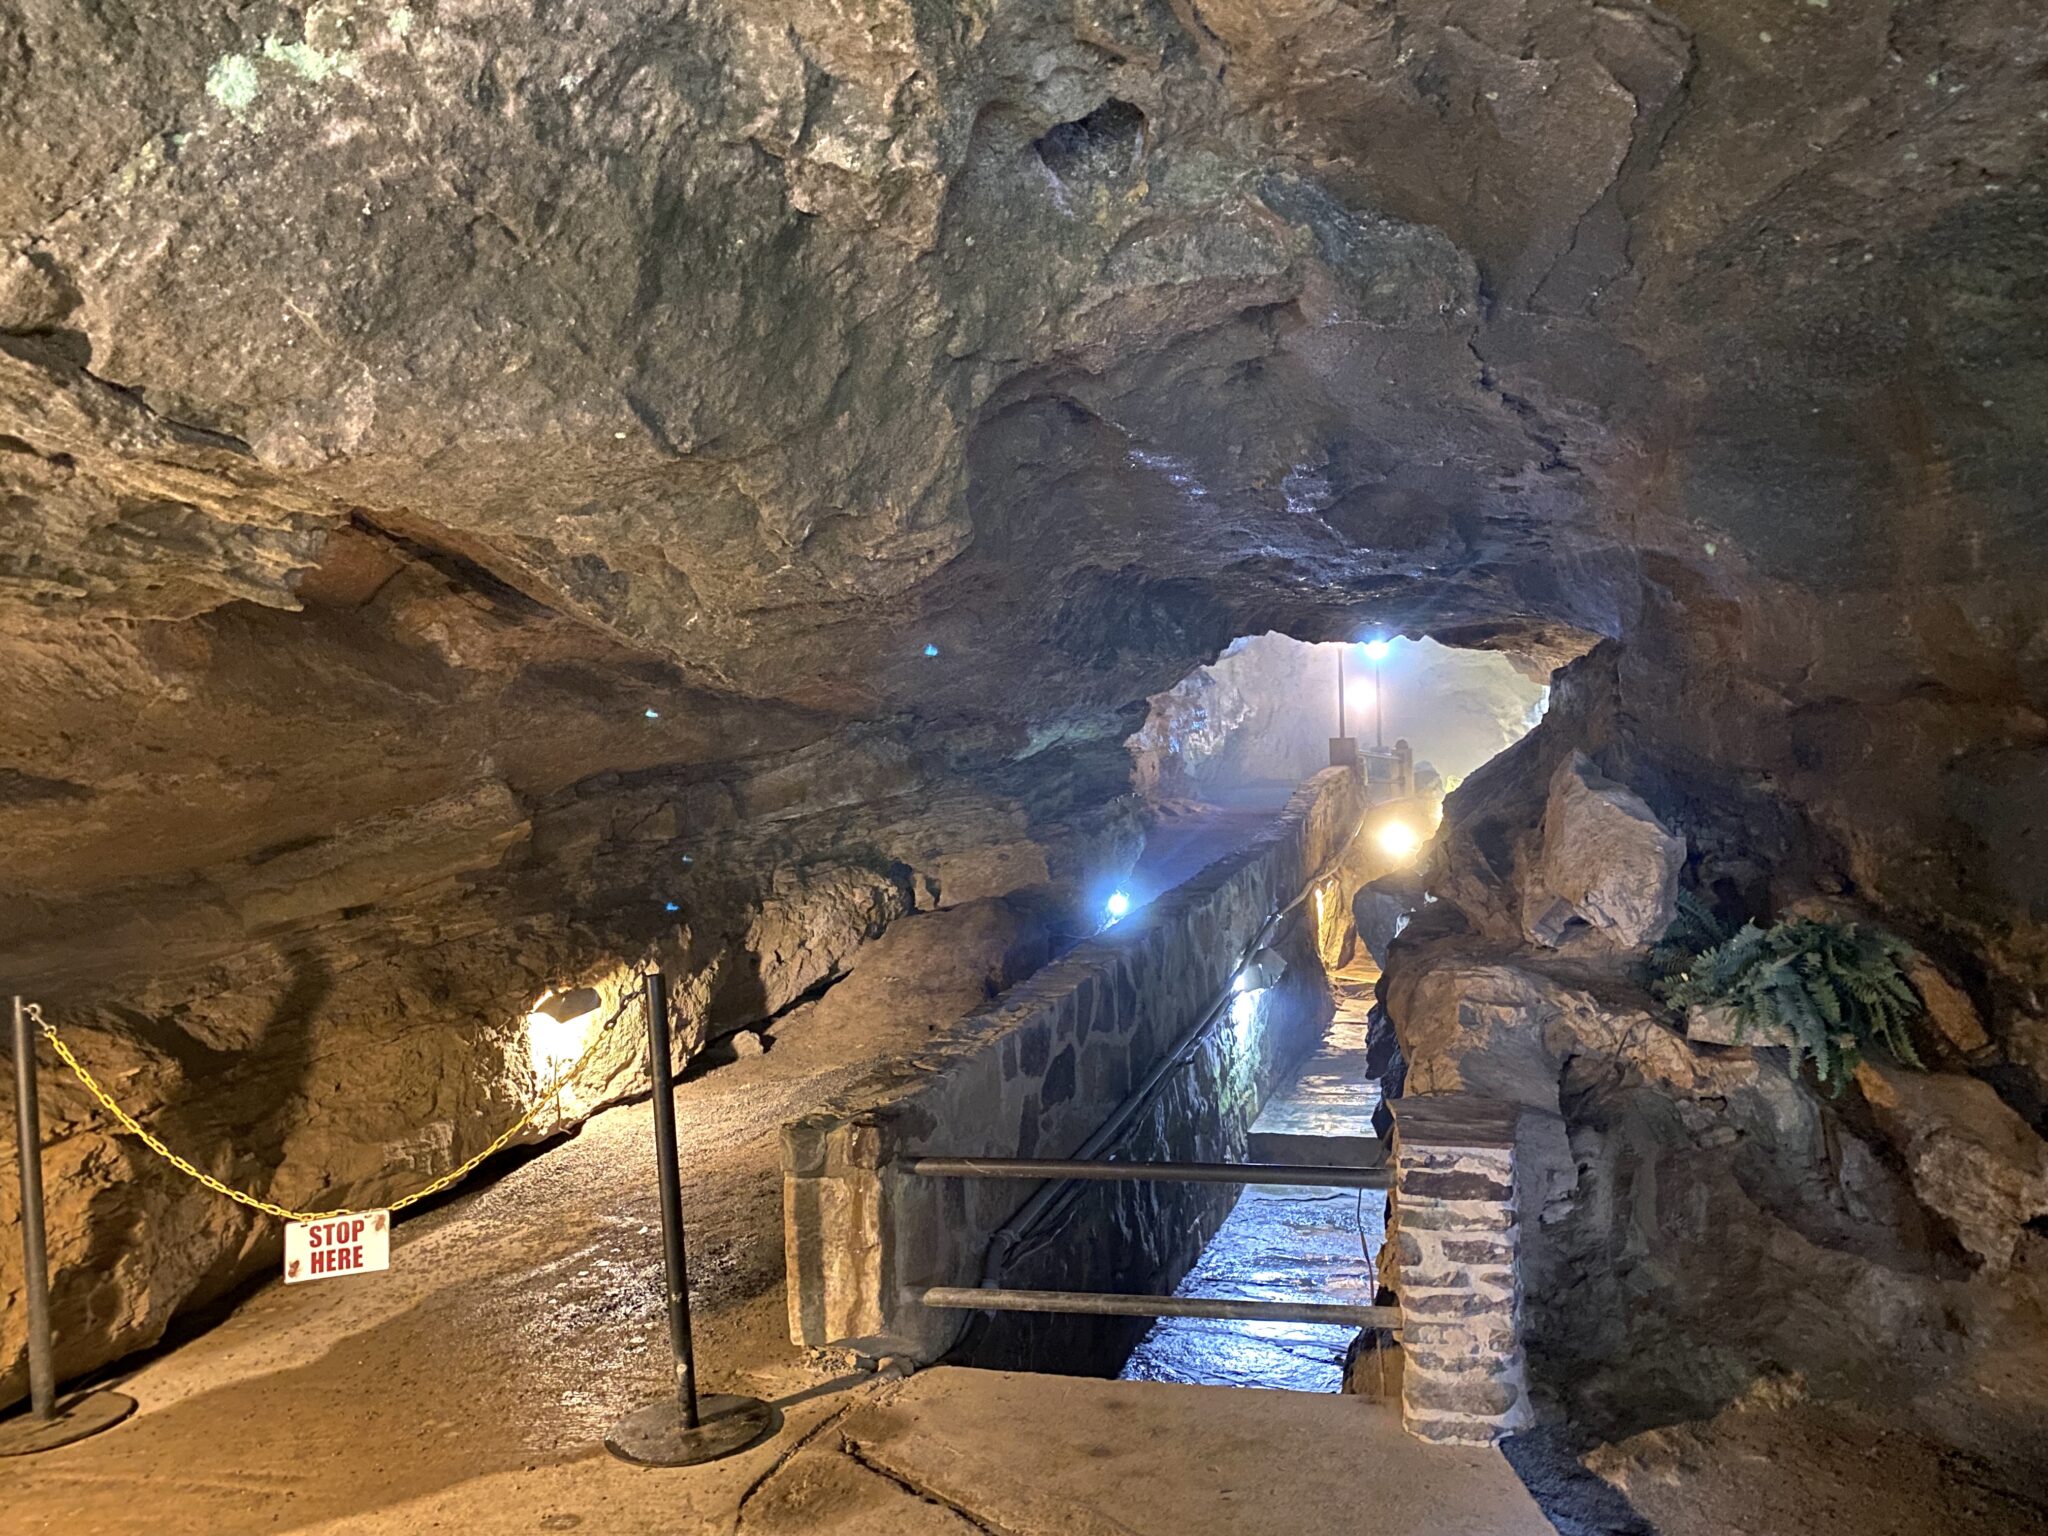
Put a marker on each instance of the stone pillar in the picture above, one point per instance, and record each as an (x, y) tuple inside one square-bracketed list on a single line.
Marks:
[(1452, 1235)]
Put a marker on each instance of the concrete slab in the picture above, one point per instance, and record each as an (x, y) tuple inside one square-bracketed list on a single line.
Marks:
[(1048, 1456)]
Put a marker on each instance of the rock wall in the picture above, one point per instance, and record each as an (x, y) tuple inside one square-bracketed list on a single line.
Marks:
[(336, 1020), (1695, 1216)]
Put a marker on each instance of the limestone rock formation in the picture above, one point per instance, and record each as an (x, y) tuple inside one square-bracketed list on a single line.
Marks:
[(1972, 1160), (1606, 865), (1951, 1026), (1721, 1026), (1377, 915), (1688, 1215), (1698, 1214)]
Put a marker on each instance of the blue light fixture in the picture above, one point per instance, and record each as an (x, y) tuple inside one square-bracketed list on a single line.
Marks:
[(930, 649), (1118, 905), (1376, 650), (669, 906), (652, 714)]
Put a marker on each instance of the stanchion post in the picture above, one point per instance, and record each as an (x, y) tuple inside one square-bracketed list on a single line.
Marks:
[(45, 1428), (35, 1248), (685, 1429), (675, 1259)]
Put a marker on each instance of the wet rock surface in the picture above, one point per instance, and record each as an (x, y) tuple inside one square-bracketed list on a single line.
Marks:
[(492, 498)]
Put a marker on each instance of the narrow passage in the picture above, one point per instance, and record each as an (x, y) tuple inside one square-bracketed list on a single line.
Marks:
[(1295, 1244)]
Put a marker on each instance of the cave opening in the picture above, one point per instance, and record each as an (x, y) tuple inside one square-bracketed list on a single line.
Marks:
[(1263, 715), (1105, 144)]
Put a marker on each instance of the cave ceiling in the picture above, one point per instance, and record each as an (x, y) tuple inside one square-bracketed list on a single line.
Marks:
[(418, 422)]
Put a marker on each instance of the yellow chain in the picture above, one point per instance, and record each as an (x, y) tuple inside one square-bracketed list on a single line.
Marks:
[(453, 1176)]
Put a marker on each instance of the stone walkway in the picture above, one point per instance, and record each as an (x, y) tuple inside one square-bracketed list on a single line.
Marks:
[(1288, 1244)]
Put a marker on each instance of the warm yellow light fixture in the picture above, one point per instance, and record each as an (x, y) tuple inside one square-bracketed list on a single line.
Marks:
[(558, 1027), (1398, 839)]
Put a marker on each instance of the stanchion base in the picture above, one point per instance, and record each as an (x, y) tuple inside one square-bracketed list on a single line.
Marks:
[(654, 1436), (77, 1417)]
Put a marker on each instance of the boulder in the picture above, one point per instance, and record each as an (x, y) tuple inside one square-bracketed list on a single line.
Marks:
[(1378, 917), (1607, 868), (1973, 1162)]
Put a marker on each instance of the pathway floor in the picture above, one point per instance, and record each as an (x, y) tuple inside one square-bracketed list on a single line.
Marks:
[(1289, 1244)]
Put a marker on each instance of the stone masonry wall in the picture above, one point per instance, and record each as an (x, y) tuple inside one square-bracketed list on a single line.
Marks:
[(1452, 1236), (1144, 1237), (1033, 1076)]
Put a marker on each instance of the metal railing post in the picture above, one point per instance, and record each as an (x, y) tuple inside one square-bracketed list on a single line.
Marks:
[(45, 1427), (685, 1429), (35, 1248), (675, 1260)]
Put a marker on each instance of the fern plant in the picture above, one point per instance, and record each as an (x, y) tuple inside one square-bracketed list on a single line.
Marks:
[(1696, 929), (1834, 988)]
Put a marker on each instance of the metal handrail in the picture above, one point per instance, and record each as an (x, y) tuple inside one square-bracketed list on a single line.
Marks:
[(1291, 1175), (967, 1298)]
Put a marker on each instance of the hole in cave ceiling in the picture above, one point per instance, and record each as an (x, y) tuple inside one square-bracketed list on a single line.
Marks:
[(1103, 146)]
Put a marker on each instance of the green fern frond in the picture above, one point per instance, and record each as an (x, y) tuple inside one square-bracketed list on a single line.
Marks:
[(1822, 990), (1695, 930), (1832, 988)]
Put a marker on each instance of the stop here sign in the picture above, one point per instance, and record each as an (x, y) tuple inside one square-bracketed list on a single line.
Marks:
[(353, 1244)]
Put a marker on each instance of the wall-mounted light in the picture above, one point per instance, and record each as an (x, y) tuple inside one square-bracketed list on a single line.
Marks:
[(558, 1026), (1263, 970), (1118, 905), (1377, 650)]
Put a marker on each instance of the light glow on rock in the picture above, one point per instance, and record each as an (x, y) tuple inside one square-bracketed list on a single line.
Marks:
[(1398, 839), (558, 1028)]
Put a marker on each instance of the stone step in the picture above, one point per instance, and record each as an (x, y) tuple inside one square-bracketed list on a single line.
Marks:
[(1316, 1151)]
